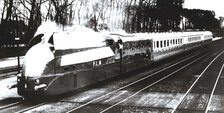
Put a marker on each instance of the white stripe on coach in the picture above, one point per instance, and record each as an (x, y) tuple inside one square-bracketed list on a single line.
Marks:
[(86, 56)]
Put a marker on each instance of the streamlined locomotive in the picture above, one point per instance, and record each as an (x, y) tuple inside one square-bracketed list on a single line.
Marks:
[(72, 58)]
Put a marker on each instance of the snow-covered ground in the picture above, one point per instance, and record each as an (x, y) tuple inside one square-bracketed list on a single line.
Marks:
[(11, 61), (5, 92)]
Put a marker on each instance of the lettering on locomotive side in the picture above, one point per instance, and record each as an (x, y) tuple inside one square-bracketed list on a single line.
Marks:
[(97, 63)]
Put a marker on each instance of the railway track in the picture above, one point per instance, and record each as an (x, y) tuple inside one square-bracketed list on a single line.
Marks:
[(101, 103), (121, 99), (113, 107), (21, 106), (10, 105), (157, 77), (5, 103), (104, 99), (6, 72), (10, 69), (208, 89)]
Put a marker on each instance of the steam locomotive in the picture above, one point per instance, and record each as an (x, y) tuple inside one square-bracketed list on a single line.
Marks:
[(72, 58)]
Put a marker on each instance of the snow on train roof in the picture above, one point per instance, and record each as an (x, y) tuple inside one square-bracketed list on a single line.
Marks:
[(155, 36), (130, 37), (78, 37), (146, 36), (167, 35), (74, 37), (70, 37)]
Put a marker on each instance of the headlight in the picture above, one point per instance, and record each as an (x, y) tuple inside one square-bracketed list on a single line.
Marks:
[(37, 81)]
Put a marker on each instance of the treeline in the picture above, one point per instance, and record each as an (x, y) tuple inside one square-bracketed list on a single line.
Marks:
[(168, 15), (200, 19)]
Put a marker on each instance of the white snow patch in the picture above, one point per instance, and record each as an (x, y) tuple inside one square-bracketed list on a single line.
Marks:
[(88, 95), (47, 27), (167, 100), (9, 62), (59, 107), (36, 59), (76, 37), (5, 92), (70, 37), (217, 103)]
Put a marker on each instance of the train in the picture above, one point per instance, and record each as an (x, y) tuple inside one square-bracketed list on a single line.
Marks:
[(72, 58)]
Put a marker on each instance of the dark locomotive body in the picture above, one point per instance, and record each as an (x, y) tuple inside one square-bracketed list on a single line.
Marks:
[(69, 69)]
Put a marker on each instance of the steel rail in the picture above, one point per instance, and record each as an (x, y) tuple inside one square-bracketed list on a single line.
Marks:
[(213, 90), (150, 85), (137, 81), (188, 91)]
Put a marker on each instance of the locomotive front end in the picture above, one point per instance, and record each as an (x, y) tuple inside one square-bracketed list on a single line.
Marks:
[(35, 63)]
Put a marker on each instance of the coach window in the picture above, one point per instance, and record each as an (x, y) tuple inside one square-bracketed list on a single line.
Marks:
[(161, 44), (164, 43), (168, 43), (157, 44), (173, 41)]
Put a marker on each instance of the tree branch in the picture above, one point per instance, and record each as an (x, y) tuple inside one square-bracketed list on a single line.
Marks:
[(21, 13), (24, 5)]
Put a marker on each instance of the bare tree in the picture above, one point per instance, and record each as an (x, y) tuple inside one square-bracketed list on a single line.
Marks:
[(32, 14), (4, 9), (8, 8), (62, 11)]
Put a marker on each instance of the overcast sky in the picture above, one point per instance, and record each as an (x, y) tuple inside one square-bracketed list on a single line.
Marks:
[(215, 5)]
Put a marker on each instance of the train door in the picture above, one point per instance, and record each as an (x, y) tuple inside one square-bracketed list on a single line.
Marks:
[(117, 48), (149, 50), (120, 51)]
